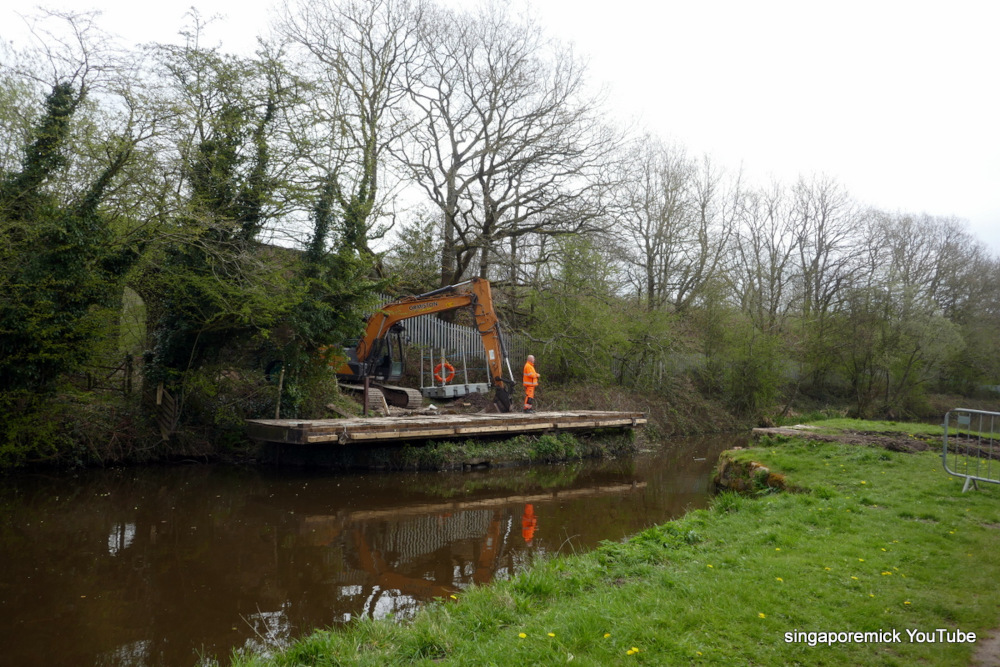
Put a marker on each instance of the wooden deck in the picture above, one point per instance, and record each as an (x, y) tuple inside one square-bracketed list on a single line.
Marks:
[(423, 427)]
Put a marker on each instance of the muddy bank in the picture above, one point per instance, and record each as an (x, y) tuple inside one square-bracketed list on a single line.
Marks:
[(894, 442), (746, 477)]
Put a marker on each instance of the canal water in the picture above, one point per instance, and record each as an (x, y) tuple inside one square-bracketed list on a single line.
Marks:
[(180, 565)]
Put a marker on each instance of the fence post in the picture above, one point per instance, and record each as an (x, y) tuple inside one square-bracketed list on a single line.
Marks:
[(281, 382)]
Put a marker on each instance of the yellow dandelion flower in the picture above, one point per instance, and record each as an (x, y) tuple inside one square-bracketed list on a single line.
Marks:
[(854, 578), (629, 652), (827, 569), (710, 566), (886, 573), (906, 602), (521, 635), (552, 634), (698, 652), (454, 597), (862, 560), (607, 634), (871, 595), (779, 578), (777, 548), (883, 549), (635, 650), (863, 482), (761, 615)]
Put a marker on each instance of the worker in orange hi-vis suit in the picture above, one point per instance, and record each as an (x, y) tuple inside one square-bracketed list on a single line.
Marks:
[(528, 524), (530, 382)]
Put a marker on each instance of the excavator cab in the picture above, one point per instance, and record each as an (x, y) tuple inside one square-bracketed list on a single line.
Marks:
[(386, 363)]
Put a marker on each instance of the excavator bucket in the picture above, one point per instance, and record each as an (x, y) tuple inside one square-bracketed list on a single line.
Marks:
[(501, 399)]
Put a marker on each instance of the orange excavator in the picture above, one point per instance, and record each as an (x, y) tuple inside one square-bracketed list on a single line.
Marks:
[(378, 354)]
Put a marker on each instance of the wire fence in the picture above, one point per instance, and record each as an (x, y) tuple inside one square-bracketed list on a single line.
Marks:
[(427, 331), (972, 446)]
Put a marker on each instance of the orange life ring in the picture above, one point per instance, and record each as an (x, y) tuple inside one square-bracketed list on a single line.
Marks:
[(439, 376)]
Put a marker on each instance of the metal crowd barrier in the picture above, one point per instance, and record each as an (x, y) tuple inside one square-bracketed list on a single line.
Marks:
[(972, 446)]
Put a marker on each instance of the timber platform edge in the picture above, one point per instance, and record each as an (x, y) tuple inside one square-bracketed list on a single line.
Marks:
[(425, 427)]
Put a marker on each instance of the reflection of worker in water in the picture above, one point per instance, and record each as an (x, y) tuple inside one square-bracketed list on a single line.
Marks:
[(530, 381), (528, 524)]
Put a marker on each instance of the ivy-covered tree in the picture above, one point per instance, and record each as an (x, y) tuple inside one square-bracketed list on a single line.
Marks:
[(213, 284), (336, 292), (59, 263)]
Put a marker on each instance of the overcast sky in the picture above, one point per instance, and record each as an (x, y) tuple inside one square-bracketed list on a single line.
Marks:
[(898, 101)]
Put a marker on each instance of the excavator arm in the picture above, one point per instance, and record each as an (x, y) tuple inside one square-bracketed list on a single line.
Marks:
[(474, 294)]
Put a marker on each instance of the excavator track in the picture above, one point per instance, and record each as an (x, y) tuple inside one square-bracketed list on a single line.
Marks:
[(402, 397), (376, 399)]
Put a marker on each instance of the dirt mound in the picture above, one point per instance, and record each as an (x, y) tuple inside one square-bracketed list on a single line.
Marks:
[(894, 442)]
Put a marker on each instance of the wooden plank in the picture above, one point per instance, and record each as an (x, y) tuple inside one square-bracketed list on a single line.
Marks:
[(587, 424), (327, 437), (504, 428), (615, 422), (529, 427), (396, 435)]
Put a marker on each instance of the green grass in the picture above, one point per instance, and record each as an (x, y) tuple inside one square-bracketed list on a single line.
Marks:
[(837, 425), (881, 541)]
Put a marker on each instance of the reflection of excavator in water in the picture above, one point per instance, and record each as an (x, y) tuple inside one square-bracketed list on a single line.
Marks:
[(378, 354)]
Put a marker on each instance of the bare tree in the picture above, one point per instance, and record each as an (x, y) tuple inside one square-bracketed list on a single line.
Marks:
[(827, 224), (762, 258), (715, 208), (928, 264), (359, 55), (826, 218), (657, 210), (506, 144)]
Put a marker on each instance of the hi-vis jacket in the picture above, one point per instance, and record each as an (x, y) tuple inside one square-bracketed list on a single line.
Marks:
[(530, 376)]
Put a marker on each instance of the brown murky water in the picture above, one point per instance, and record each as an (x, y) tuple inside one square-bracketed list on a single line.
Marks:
[(171, 566)]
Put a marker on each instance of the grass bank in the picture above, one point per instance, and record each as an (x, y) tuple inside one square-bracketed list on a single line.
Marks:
[(877, 541)]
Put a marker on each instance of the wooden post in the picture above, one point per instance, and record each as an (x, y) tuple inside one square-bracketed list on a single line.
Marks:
[(281, 382), (365, 398)]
